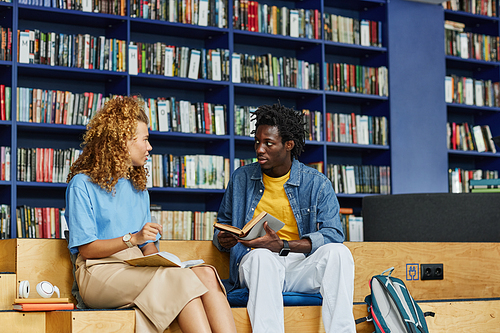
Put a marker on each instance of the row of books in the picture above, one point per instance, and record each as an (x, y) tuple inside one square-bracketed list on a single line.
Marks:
[(188, 171), (261, 17), (180, 61), (40, 222), (113, 7), (355, 128), (485, 185), (5, 44), (459, 179), (5, 102), (469, 91), (480, 7), (470, 45), (172, 115), (57, 106), (244, 124), (71, 50), (352, 225), (275, 71), (470, 137), (5, 163), (238, 162), (185, 225), (349, 30), (47, 165), (357, 79), (5, 221), (351, 179), (211, 13)]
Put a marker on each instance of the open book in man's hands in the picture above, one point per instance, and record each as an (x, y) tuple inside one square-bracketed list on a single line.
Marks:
[(254, 228), (165, 259)]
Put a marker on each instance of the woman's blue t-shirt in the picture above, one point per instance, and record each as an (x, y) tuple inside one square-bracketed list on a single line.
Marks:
[(92, 213)]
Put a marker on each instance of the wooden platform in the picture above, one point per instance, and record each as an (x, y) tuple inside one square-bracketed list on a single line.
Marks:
[(48, 259)]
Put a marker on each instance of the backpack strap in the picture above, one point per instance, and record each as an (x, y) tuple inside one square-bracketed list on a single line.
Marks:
[(390, 270), (363, 319)]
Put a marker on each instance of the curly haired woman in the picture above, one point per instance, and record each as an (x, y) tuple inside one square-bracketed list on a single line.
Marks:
[(107, 209)]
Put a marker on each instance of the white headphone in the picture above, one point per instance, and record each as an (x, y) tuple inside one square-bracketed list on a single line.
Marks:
[(45, 289)]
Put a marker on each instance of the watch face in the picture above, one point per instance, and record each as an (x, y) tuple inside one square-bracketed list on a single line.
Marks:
[(127, 237)]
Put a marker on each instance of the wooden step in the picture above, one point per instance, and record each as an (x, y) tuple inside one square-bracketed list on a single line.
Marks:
[(8, 291), (451, 317), (13, 321), (91, 321)]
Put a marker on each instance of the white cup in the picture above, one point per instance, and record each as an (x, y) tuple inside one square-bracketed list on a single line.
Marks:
[(45, 289)]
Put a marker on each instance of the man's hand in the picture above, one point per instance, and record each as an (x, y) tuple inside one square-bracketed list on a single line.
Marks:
[(269, 241), (227, 240)]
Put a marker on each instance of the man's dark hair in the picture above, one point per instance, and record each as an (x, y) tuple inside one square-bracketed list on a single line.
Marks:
[(290, 124)]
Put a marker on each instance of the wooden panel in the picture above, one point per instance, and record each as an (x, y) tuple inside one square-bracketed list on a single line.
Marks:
[(451, 317), (7, 291), (8, 255), (470, 269), (58, 321), (122, 321), (45, 260), (32, 322), (187, 250), (297, 320)]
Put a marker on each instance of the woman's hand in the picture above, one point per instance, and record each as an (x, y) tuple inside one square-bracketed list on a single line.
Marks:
[(147, 233)]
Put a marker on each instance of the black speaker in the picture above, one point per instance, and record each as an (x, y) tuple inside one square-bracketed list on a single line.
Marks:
[(432, 217)]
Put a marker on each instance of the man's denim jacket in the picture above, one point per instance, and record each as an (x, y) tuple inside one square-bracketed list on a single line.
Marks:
[(311, 197)]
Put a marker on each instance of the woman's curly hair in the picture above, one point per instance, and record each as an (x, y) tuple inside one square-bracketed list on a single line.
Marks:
[(105, 158), (290, 124)]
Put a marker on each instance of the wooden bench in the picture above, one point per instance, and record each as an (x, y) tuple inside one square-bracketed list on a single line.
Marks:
[(470, 282)]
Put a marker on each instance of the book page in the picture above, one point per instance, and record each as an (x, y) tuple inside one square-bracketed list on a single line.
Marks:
[(258, 229)]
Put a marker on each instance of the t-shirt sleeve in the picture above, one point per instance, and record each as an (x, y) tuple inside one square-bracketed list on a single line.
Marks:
[(81, 218)]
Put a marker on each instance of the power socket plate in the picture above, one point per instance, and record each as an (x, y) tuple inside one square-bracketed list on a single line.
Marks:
[(431, 272)]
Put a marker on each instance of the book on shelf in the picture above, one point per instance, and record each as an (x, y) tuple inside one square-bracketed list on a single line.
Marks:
[(460, 180), (185, 225), (356, 229), (5, 221), (350, 78), (164, 259), (253, 228), (40, 222), (484, 183), (51, 300), (43, 306)]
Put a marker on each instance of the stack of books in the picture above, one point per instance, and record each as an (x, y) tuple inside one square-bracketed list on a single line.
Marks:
[(42, 304), (484, 185)]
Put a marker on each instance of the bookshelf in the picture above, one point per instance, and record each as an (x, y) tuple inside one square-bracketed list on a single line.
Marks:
[(416, 143), (479, 68)]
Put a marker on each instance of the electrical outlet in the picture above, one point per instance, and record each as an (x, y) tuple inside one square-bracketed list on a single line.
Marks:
[(431, 271)]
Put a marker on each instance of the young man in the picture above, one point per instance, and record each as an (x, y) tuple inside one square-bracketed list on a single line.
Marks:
[(307, 254)]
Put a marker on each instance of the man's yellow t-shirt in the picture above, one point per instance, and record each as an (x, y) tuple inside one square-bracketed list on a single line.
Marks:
[(275, 202)]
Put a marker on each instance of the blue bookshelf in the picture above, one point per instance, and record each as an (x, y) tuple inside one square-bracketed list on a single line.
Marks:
[(412, 50)]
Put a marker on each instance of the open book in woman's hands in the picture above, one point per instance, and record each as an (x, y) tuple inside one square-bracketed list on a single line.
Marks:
[(165, 259), (254, 228)]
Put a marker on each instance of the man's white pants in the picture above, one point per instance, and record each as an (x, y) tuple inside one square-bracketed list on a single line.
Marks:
[(329, 270)]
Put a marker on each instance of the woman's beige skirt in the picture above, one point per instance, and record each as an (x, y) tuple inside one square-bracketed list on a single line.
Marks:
[(157, 293)]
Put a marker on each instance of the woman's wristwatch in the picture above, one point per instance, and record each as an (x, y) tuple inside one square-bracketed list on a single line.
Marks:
[(126, 239), (286, 248)]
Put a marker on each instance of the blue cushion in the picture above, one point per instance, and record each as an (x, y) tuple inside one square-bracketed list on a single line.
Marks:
[(239, 298)]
